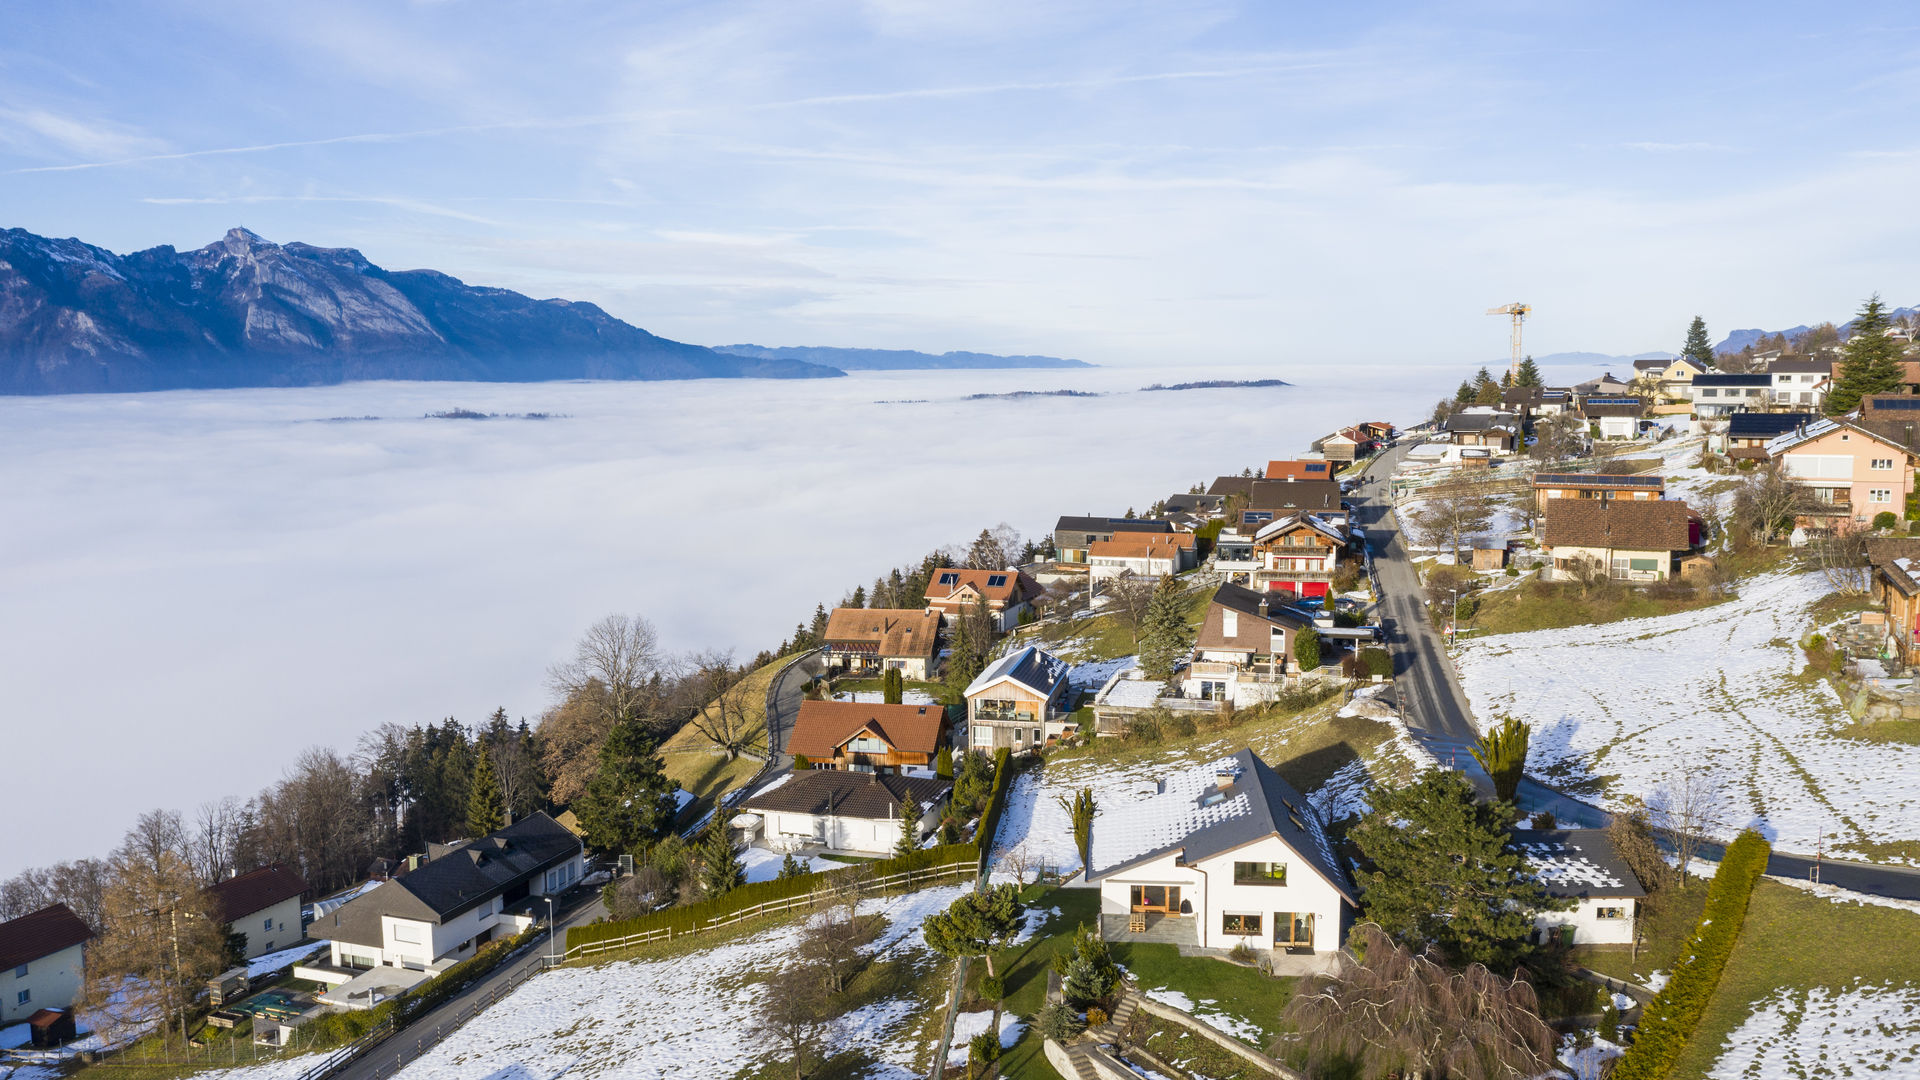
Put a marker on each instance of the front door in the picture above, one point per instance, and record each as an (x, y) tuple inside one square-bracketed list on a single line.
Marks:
[(1292, 929), (1161, 898)]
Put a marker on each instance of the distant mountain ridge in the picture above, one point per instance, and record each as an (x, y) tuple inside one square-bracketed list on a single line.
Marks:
[(75, 318), (894, 359), (1740, 339)]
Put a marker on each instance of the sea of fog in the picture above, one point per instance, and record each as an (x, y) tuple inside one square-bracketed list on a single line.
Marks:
[(195, 585)]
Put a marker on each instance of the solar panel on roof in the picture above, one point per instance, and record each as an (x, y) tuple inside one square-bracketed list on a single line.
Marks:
[(1613, 401), (1903, 404), (1595, 480), (994, 581)]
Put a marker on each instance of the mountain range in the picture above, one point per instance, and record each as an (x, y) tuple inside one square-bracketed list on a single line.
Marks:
[(894, 359), (1740, 339)]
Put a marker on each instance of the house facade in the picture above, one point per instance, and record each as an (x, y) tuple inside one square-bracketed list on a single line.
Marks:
[(1849, 473), (1298, 554), (263, 906), (1221, 855), (1800, 383), (1895, 587), (1632, 541), (1010, 594), (906, 640), (1748, 433), (1018, 702), (1598, 486), (1614, 418), (42, 962), (1244, 650), (1485, 426), (465, 896), (1581, 866), (1142, 555), (862, 737), (1074, 536), (845, 811), (1718, 395)]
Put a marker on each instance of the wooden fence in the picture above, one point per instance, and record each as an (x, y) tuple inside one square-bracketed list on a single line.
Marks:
[(905, 880)]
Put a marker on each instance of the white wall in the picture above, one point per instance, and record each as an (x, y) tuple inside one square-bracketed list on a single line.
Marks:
[(876, 836), (51, 982), (1209, 885), (1588, 927), (262, 939)]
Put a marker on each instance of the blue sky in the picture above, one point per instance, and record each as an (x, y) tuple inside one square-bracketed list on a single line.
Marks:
[(1172, 184)]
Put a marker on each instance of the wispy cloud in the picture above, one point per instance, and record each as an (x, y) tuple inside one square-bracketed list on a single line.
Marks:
[(26, 128), (415, 206)]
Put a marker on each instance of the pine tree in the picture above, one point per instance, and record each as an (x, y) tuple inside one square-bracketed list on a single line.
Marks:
[(1485, 390), (893, 686), (1529, 373), (909, 836), (720, 869), (486, 808), (1306, 648), (1699, 347), (819, 626), (1165, 636), (1464, 395), (1880, 354), (859, 596), (629, 802), (1438, 870), (976, 924)]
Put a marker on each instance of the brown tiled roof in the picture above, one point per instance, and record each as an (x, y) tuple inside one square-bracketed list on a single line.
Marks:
[(1631, 524), (256, 890), (823, 726), (1252, 633), (894, 631), (1014, 586), (40, 933), (848, 794), (1145, 547)]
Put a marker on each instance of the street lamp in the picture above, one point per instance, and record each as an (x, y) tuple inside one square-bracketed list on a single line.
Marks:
[(549, 901)]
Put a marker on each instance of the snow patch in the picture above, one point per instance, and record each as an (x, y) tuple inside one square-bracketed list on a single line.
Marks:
[(1802, 1034)]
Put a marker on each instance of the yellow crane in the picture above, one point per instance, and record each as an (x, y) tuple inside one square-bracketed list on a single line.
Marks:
[(1519, 313)]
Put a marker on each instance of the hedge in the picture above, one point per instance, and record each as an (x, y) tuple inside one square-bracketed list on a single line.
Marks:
[(996, 802), (1670, 1018), (344, 1027), (695, 916)]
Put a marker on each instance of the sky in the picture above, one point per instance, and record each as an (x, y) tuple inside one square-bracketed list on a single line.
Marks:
[(1124, 183)]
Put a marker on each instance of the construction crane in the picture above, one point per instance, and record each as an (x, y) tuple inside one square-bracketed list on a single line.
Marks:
[(1519, 313)]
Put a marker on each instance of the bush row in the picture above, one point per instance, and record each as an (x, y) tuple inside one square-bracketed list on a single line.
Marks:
[(340, 1028), (996, 802), (692, 916), (1671, 1017)]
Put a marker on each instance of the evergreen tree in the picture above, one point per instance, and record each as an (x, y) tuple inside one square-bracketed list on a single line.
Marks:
[(720, 869), (791, 868), (486, 808), (1306, 648), (976, 924), (1439, 870), (859, 598), (819, 626), (1165, 635), (1699, 347), (893, 686), (1873, 355), (1503, 753), (1485, 390), (629, 802), (943, 763), (1529, 374), (1464, 395), (909, 836)]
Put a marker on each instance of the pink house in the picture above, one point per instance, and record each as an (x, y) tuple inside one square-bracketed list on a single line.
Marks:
[(1850, 473)]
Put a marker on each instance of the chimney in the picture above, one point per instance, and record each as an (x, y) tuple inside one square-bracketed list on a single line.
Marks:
[(1224, 777)]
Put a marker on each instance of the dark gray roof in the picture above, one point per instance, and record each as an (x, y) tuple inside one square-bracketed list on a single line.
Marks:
[(1251, 602), (1764, 425), (1032, 667), (1275, 809), (1483, 421), (849, 794), (1188, 503), (1733, 380), (456, 881), (1577, 864), (1800, 365), (1070, 524)]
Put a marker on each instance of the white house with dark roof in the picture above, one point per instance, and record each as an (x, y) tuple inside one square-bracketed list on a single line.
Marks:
[(1223, 854), (1581, 865), (42, 962), (1019, 702)]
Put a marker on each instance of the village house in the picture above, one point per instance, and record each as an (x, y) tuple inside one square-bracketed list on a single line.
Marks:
[(1670, 377), (1600, 486), (1221, 855), (1244, 649), (1073, 537), (1896, 588), (1748, 433), (263, 907), (1894, 417), (883, 639), (440, 913), (1142, 555), (1198, 505), (42, 962), (1298, 554), (1849, 472), (1260, 500), (1019, 702), (1628, 540), (863, 737), (1485, 426), (1614, 418), (1718, 395), (1344, 445), (845, 811), (1009, 593), (1800, 383), (1379, 431), (1306, 469), (1604, 386), (1581, 865)]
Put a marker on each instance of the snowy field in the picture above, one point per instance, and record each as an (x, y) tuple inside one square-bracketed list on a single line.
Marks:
[(688, 1016), (1640, 700), (1863, 1031)]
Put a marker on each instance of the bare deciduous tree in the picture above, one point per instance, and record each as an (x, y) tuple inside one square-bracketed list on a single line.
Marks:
[(1765, 502), (730, 714), (217, 829), (1128, 598), (1407, 1012), (571, 735), (1450, 518), (794, 1017), (614, 666), (1556, 438), (1686, 808), (1841, 558), (78, 884), (161, 935)]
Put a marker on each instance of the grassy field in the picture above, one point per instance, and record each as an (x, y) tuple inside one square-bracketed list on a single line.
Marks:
[(873, 686), (1100, 637), (694, 764)]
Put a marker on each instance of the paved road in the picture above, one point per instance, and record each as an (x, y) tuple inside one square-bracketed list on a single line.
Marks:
[(583, 906), (1437, 713)]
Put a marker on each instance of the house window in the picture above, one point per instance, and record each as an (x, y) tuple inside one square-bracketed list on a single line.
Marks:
[(1644, 564), (269, 925), (867, 744), (1879, 495), (982, 736), (23, 997), (1292, 928), (20, 972), (406, 932), (1240, 925), (1260, 873), (1036, 735), (1881, 463), (1709, 392), (1610, 913)]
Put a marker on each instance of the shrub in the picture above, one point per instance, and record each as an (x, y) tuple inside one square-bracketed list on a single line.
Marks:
[(1306, 648), (801, 763), (1670, 1019), (1513, 571), (1059, 1023), (1377, 661), (1145, 727), (1180, 725), (1610, 1024), (1096, 1016), (1885, 520), (993, 987), (1241, 953)]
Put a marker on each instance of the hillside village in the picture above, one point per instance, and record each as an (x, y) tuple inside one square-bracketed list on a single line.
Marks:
[(1592, 701)]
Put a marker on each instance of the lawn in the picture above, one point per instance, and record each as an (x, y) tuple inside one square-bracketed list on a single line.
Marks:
[(1545, 605), (933, 690), (1100, 637)]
